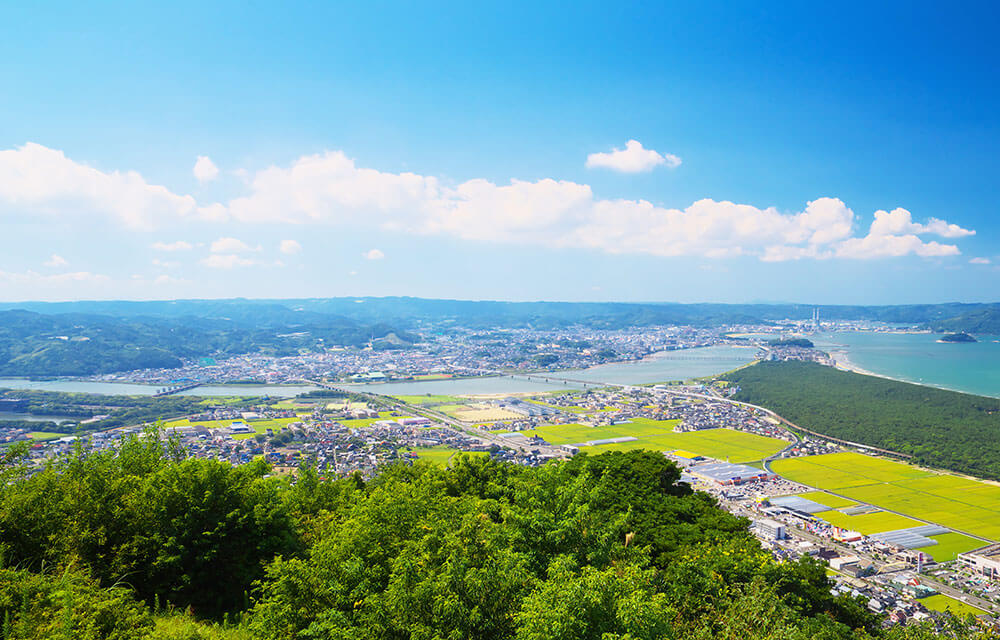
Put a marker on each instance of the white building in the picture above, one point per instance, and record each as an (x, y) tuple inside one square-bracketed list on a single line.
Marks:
[(770, 529), (984, 561)]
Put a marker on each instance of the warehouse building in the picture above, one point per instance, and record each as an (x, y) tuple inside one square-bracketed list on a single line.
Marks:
[(725, 473), (984, 561)]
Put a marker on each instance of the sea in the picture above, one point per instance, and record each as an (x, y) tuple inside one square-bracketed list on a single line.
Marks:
[(970, 367)]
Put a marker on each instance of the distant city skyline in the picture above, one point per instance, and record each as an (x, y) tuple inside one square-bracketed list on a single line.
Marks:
[(625, 153)]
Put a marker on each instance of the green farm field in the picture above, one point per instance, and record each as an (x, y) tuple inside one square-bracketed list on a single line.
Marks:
[(939, 602), (951, 501), (45, 435), (442, 455), (828, 499), (949, 545), (658, 435), (869, 523)]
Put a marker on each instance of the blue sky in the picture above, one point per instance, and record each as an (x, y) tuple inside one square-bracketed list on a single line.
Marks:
[(468, 150)]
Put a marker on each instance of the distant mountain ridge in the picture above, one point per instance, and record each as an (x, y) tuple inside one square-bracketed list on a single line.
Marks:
[(91, 337), (984, 320), (37, 344), (408, 310)]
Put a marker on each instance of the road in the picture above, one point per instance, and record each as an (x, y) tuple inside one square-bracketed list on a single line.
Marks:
[(464, 427), (486, 436)]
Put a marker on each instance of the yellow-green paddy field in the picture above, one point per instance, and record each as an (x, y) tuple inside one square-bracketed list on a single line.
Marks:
[(956, 502)]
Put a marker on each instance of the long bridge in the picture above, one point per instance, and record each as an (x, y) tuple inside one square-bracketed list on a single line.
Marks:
[(169, 391)]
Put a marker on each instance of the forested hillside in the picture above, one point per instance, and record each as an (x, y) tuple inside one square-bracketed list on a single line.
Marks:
[(604, 547), (980, 320), (33, 344), (940, 428)]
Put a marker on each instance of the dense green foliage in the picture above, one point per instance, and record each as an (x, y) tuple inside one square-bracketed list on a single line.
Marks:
[(958, 337), (608, 547), (981, 319), (598, 547), (173, 530), (32, 344), (939, 428), (120, 410), (804, 343), (67, 605)]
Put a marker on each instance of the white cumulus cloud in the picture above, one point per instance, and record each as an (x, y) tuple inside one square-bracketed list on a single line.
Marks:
[(231, 245), (331, 189), (373, 254), (180, 245), (226, 261), (980, 261), (36, 180), (56, 261), (900, 222), (289, 247), (205, 170), (634, 158), (892, 246)]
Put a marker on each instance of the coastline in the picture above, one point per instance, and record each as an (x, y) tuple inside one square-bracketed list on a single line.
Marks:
[(842, 362)]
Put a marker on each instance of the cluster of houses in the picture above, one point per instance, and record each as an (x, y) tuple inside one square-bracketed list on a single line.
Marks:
[(452, 351)]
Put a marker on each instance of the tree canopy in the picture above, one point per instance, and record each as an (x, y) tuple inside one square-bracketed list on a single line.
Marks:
[(118, 545)]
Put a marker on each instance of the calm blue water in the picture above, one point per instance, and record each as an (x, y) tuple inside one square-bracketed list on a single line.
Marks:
[(127, 389), (662, 367), (972, 367)]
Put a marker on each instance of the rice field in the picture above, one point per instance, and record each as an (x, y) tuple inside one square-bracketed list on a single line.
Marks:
[(955, 502), (949, 545), (46, 435), (868, 523), (658, 435), (828, 499), (259, 426), (940, 602), (443, 455)]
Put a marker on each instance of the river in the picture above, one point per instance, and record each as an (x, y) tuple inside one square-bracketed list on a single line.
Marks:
[(31, 417), (660, 367), (968, 367)]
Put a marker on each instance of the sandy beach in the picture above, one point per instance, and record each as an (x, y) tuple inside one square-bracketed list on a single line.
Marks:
[(841, 361)]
